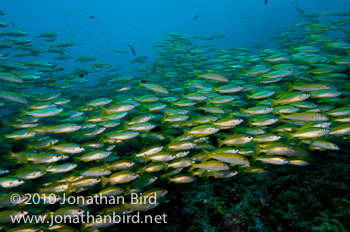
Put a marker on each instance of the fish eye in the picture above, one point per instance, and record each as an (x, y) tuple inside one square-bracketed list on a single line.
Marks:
[(134, 174), (80, 210), (250, 137), (22, 212)]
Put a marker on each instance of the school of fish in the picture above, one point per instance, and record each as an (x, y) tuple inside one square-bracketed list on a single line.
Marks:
[(197, 111)]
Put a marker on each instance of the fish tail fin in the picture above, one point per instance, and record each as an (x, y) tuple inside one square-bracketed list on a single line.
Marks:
[(307, 125), (207, 174), (168, 179), (257, 149), (248, 97), (23, 113), (146, 158), (192, 167), (162, 121), (50, 147), (102, 140), (220, 142), (104, 181), (106, 166), (332, 59), (28, 147), (22, 158), (161, 177), (208, 155), (291, 86), (103, 111), (181, 124), (166, 166), (186, 133), (332, 120), (43, 168), (11, 155), (140, 84), (305, 141), (250, 122), (289, 136), (166, 113), (273, 102), (281, 116), (126, 126), (241, 110), (68, 190)]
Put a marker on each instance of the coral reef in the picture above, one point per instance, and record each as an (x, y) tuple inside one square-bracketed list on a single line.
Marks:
[(286, 198)]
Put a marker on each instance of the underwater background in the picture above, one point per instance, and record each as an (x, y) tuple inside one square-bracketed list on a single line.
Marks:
[(233, 115)]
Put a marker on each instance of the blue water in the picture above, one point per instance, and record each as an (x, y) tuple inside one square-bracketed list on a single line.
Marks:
[(99, 27), (141, 23)]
